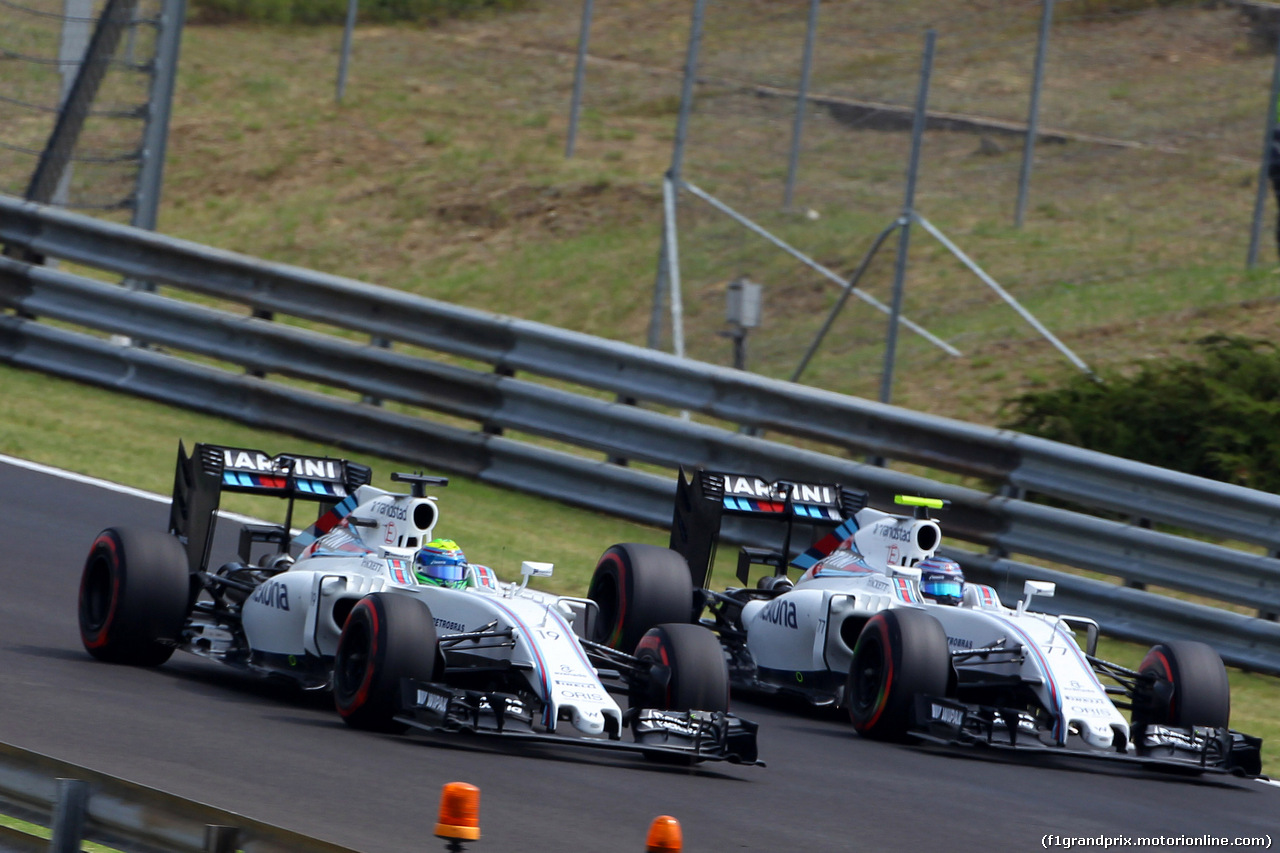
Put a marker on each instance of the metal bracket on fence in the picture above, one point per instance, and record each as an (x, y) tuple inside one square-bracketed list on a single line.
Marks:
[(850, 287), (1002, 293), (815, 266)]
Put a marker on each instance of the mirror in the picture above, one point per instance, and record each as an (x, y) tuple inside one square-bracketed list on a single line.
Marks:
[(531, 569)]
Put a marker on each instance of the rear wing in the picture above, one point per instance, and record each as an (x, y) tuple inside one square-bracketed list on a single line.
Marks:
[(706, 497), (200, 479)]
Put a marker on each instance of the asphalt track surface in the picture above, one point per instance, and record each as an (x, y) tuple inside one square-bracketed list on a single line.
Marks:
[(207, 733)]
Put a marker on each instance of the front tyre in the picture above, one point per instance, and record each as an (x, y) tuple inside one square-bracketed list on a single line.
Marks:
[(1189, 687), (687, 670), (134, 596), (387, 637), (637, 587), (899, 654)]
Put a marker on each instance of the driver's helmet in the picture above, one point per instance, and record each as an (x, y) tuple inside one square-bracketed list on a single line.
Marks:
[(941, 580), (441, 563)]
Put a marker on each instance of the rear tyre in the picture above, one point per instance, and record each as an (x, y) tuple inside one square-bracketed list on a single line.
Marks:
[(637, 587), (134, 596), (899, 654), (687, 670), (1190, 687), (387, 637)]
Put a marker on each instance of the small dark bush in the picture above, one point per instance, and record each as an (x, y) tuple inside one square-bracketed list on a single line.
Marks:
[(1099, 8), (335, 11), (1218, 417)]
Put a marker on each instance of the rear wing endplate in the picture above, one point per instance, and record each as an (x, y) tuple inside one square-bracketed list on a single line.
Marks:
[(706, 497), (200, 479)]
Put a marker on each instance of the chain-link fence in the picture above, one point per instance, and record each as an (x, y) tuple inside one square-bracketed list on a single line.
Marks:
[(1152, 124), (42, 44), (1151, 129)]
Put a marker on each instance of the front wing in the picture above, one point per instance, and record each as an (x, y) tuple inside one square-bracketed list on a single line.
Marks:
[(684, 736), (1195, 750)]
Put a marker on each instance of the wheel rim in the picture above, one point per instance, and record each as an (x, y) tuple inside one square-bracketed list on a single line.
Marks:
[(95, 602), (869, 676), (606, 596), (353, 662)]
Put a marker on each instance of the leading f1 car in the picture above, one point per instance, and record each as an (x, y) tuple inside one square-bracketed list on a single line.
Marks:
[(881, 625), (403, 629)]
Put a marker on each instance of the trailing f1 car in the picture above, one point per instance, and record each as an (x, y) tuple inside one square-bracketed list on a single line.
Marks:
[(878, 624), (399, 625)]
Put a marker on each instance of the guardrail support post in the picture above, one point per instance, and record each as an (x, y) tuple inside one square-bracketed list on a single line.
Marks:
[(499, 370), (220, 839), (1145, 524), (68, 816), (1270, 615), (384, 343)]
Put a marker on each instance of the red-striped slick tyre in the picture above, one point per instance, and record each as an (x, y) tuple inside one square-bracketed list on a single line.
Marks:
[(899, 654), (636, 587), (387, 637), (687, 670), (1190, 687), (134, 596)]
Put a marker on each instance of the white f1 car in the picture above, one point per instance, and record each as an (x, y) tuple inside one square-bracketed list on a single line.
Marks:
[(857, 630), (350, 604)]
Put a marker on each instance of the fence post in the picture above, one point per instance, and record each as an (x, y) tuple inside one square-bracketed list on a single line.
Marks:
[(908, 213), (116, 16), (220, 839), (802, 99), (156, 136), (345, 57), (665, 260), (669, 190), (579, 72), (1033, 112), (68, 816), (1265, 162), (76, 19)]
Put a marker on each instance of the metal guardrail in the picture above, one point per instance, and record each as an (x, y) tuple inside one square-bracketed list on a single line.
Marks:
[(1017, 464), (117, 811), (850, 423)]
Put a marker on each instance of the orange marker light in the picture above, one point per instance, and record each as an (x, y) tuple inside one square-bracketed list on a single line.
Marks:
[(664, 835), (459, 812)]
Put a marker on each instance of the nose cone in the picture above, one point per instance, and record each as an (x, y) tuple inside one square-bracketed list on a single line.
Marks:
[(1098, 735), (589, 721)]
